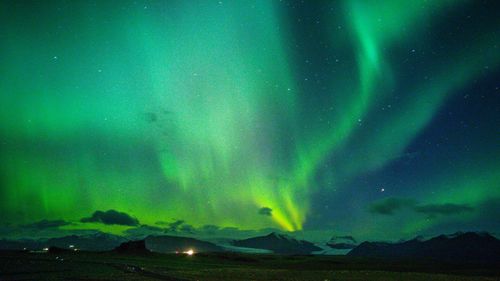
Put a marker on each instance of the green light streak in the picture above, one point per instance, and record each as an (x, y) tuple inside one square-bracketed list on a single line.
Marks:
[(227, 133)]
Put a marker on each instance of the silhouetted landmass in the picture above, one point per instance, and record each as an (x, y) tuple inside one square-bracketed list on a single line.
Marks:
[(82, 265), (93, 242), (106, 242), (6, 244), (279, 244), (461, 247), (341, 246), (57, 250), (131, 261), (171, 244), (132, 247)]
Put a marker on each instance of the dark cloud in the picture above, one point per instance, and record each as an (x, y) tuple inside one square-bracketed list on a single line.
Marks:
[(150, 227), (143, 231), (174, 226), (177, 226), (112, 217), (44, 224), (443, 209), (209, 228), (181, 227), (389, 205), (266, 211), (187, 228)]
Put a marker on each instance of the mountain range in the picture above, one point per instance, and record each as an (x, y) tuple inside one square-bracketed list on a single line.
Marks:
[(459, 247), (278, 243), (133, 247), (93, 242), (171, 244)]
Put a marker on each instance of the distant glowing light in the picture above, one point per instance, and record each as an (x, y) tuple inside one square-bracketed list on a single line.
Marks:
[(189, 252)]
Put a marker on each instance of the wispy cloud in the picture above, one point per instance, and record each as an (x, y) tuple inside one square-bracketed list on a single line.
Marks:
[(389, 206)]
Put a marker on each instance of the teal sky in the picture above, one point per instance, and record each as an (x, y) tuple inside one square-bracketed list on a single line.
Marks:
[(376, 119)]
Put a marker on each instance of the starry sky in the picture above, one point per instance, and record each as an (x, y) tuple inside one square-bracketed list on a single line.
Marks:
[(377, 119)]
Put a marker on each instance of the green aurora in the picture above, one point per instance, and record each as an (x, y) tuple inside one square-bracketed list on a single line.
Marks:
[(208, 111)]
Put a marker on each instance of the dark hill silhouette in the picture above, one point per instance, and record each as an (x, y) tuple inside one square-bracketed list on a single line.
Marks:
[(108, 242), (279, 244), (28, 244), (132, 247), (460, 247), (92, 242), (341, 246), (171, 244), (57, 250)]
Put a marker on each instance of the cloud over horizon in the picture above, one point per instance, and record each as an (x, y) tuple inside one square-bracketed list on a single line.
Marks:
[(389, 206), (443, 209), (44, 224), (111, 217)]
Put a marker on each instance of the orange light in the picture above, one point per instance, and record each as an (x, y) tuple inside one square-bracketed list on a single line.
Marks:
[(189, 252)]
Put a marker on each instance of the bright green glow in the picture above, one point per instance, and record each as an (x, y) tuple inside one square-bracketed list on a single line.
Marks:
[(227, 132), (375, 27), (397, 132)]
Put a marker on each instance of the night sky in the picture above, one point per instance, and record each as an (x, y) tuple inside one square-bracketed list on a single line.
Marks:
[(375, 119)]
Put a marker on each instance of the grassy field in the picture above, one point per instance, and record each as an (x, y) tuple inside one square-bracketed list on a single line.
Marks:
[(212, 267)]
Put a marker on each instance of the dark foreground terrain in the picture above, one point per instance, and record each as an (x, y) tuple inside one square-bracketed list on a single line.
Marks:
[(228, 266)]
